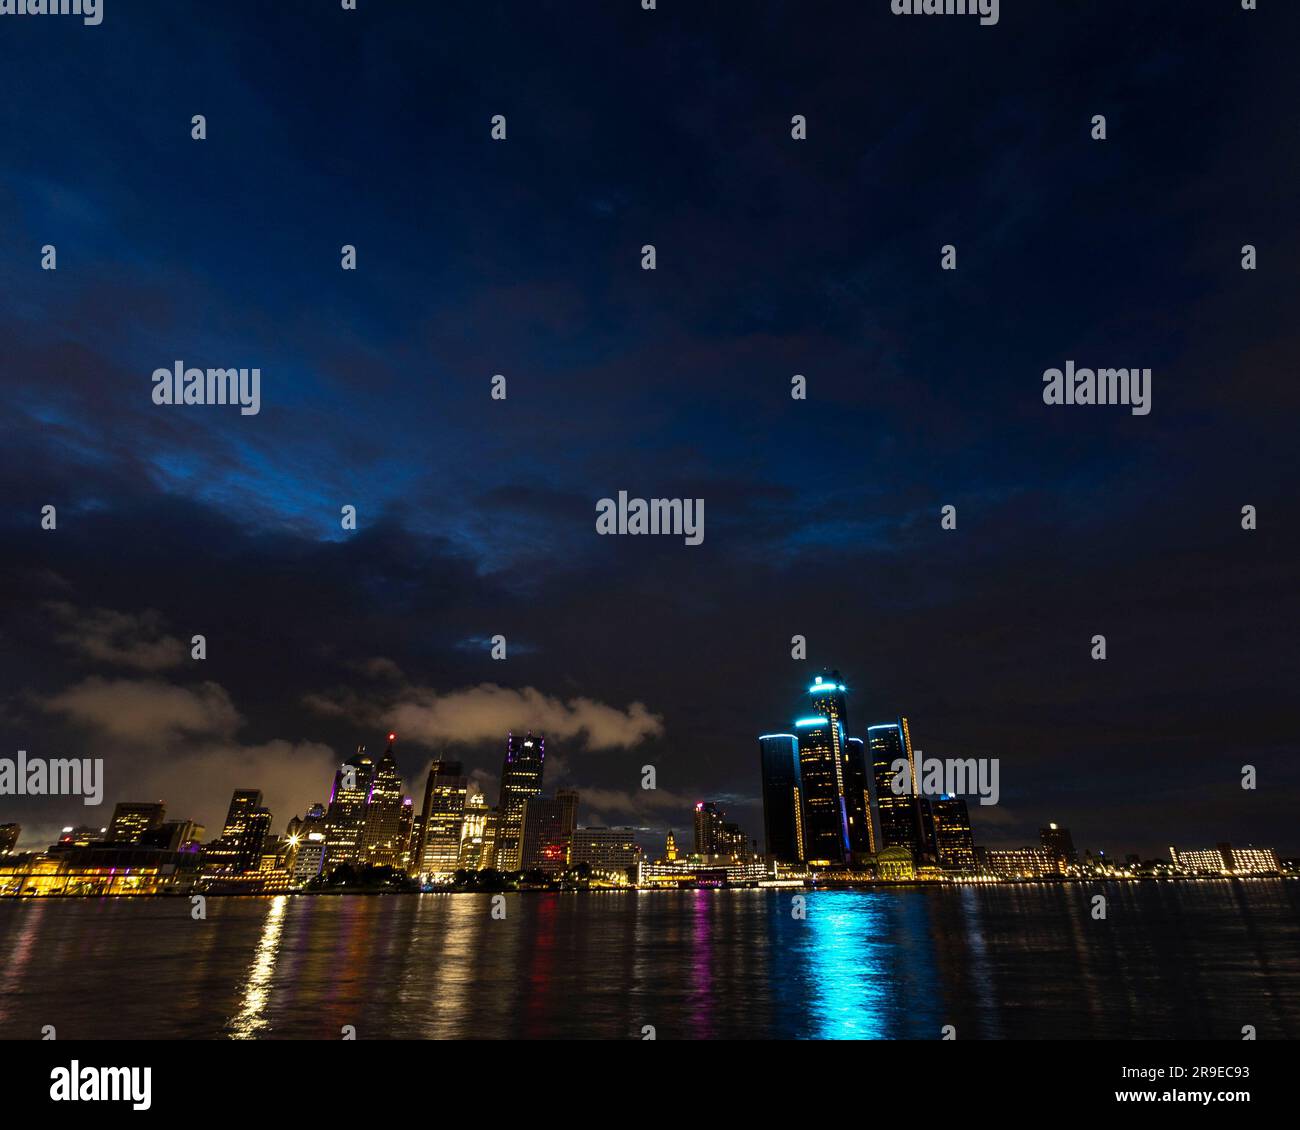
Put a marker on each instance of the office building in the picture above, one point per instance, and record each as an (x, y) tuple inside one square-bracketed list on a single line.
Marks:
[(954, 843), (132, 819), (1059, 843), (546, 831), (608, 851), (345, 817), (782, 798), (442, 821), (521, 780)]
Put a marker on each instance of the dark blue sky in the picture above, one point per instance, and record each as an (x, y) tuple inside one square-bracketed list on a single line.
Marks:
[(775, 257)]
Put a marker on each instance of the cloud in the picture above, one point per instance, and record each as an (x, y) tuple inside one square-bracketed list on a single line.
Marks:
[(148, 712), (486, 712), (121, 639)]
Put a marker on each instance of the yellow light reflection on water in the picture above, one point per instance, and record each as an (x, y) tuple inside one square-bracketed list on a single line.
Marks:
[(250, 1020)]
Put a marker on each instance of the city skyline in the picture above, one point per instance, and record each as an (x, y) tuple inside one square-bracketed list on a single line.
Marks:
[(794, 772)]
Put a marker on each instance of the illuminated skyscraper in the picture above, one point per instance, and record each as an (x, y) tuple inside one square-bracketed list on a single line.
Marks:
[(384, 846), (783, 820), (521, 779), (709, 822), (132, 819), (239, 848), (442, 820), (474, 834), (902, 818), (857, 798), (345, 818), (954, 844), (547, 831), (835, 819), (1060, 843)]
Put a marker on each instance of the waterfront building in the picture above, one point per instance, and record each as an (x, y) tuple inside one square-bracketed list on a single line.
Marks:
[(607, 851), (132, 819), (239, 847), (1227, 860), (709, 836), (1060, 843), (521, 780), (896, 864), (476, 830), (783, 821), (442, 821), (904, 817), (546, 831), (1021, 863), (345, 817), (384, 842), (670, 847), (954, 842)]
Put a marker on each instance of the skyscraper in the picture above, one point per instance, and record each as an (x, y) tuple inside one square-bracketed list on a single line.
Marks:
[(902, 819), (782, 798), (547, 831), (954, 845), (709, 821), (476, 834), (1060, 843), (384, 846), (345, 818), (857, 798), (838, 825), (442, 820), (132, 819), (239, 847), (521, 779)]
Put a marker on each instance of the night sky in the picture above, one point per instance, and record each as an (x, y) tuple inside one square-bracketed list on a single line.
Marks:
[(775, 257)]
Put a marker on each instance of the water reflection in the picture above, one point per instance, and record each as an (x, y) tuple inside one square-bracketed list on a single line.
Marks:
[(848, 998), (250, 1020)]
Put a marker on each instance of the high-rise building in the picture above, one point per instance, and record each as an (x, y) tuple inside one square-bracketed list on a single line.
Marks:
[(474, 834), (239, 848), (345, 818), (384, 846), (1059, 842), (442, 821), (547, 831), (132, 819), (670, 847), (709, 819), (821, 770), (954, 843), (903, 818), (857, 798), (836, 781), (782, 798), (521, 780), (9, 834)]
